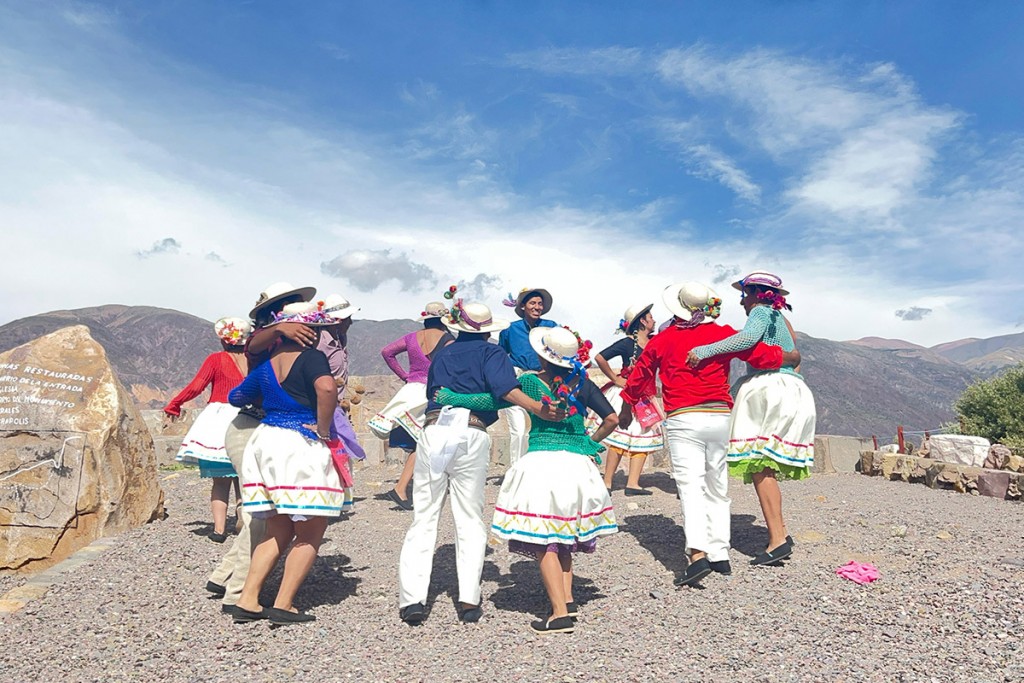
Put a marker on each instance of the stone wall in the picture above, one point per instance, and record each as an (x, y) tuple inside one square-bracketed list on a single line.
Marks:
[(941, 475)]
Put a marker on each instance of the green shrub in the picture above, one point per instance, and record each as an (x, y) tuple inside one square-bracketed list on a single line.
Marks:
[(994, 408)]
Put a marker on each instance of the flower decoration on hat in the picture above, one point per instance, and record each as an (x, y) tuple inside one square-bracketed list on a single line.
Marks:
[(232, 331), (623, 326), (450, 294), (566, 398), (509, 301), (774, 299)]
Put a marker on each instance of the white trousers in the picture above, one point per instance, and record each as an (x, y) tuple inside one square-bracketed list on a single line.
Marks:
[(518, 433), (464, 476), (697, 444)]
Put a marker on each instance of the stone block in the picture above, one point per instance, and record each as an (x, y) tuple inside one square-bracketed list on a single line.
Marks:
[(993, 483), (958, 449), (79, 462)]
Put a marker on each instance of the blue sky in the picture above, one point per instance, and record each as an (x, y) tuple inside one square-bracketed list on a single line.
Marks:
[(185, 154)]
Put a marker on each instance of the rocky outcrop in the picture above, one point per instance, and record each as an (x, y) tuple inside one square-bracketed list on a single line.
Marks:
[(76, 460)]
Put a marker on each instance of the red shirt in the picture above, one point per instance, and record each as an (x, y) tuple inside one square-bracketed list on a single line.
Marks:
[(683, 386), (219, 370)]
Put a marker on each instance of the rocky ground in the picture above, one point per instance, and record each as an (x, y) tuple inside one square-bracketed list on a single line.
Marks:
[(949, 605)]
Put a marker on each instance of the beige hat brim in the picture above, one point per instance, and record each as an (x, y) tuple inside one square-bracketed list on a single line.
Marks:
[(636, 319), (545, 297), (496, 325), (537, 344), (739, 285), (670, 297), (306, 293)]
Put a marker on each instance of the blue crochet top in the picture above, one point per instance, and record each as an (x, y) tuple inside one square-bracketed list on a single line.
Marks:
[(282, 410), (764, 324)]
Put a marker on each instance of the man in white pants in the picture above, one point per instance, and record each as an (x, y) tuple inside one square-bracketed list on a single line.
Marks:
[(697, 406), (530, 305), (453, 456)]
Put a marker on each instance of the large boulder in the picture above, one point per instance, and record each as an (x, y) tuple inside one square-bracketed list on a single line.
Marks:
[(958, 449), (76, 460)]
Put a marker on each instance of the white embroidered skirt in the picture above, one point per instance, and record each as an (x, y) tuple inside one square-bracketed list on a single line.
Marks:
[(405, 409), (284, 472), (634, 438), (553, 497), (772, 426), (204, 443)]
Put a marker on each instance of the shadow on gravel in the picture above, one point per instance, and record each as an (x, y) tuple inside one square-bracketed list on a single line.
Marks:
[(662, 481), (329, 582), (747, 538), (521, 589), (660, 536)]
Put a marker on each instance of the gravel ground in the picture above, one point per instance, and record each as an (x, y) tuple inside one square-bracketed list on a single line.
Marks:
[(949, 606)]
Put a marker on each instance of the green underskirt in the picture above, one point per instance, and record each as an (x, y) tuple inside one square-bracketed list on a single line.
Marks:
[(746, 469)]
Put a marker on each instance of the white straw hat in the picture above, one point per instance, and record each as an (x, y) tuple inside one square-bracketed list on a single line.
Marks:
[(556, 345), (277, 291), (434, 309), (472, 317), (233, 331), (337, 306), (306, 313), (686, 298), (764, 279), (631, 318)]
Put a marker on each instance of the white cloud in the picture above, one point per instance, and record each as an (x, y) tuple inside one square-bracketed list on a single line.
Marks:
[(862, 143), (368, 269)]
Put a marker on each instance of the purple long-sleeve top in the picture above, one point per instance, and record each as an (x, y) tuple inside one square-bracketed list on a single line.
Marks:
[(418, 363)]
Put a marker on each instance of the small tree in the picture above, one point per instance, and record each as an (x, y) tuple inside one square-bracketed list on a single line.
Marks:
[(994, 408)]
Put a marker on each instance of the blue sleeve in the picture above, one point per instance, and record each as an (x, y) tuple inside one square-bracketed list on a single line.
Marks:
[(248, 392), (752, 332), (503, 342), (499, 374)]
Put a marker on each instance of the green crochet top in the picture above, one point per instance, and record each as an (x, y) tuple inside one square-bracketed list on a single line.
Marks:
[(567, 435), (764, 324)]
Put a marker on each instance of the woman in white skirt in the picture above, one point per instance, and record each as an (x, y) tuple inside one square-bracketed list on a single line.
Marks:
[(553, 502), (204, 443), (401, 420), (634, 443), (771, 433), (288, 474)]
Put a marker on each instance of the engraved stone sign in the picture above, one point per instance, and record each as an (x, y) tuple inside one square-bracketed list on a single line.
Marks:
[(76, 462)]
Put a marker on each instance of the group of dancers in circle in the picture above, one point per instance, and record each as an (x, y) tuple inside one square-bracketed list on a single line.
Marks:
[(274, 420)]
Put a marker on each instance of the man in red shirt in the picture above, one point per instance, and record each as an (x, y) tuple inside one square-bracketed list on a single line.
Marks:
[(697, 406)]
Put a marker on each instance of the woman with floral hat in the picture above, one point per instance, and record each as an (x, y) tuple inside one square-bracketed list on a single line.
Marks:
[(293, 467), (204, 443), (771, 432), (634, 442), (553, 502), (401, 420)]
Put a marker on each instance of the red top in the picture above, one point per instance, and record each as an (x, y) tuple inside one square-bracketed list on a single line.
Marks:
[(683, 386), (218, 369)]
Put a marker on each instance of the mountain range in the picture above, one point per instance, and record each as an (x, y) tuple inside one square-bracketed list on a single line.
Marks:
[(863, 387)]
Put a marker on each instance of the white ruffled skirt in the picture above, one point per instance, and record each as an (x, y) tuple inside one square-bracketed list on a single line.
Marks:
[(553, 497), (286, 473), (204, 443)]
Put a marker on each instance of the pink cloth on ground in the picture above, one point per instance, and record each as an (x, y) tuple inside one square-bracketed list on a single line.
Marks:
[(858, 572)]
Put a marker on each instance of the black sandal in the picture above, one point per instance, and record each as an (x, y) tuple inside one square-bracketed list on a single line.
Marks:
[(694, 573), (244, 616), (469, 615), (774, 557), (413, 614), (553, 625)]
